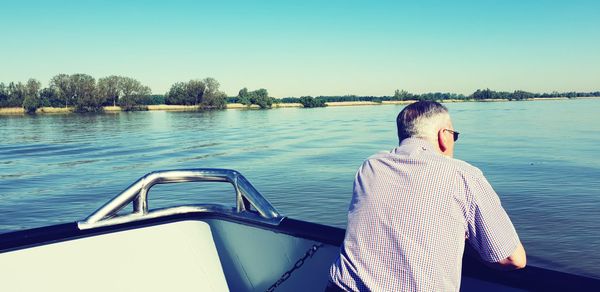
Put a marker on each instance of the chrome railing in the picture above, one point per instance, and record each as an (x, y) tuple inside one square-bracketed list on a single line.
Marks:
[(247, 197)]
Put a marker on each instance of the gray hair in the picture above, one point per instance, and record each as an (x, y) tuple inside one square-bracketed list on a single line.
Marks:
[(421, 119)]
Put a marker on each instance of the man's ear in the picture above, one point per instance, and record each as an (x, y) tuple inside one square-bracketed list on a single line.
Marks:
[(441, 141)]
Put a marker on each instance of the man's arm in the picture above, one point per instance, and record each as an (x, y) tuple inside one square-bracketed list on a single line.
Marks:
[(517, 260), (490, 230)]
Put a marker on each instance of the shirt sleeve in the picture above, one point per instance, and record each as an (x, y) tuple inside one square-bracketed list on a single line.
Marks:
[(490, 230)]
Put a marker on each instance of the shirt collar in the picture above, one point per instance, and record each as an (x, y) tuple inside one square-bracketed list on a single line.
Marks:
[(415, 144)]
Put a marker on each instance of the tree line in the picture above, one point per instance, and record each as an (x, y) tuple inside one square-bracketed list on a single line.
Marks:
[(403, 95), (521, 95), (484, 94), (80, 91), (85, 94)]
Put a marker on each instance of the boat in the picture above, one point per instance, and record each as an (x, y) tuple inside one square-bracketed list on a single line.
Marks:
[(248, 246)]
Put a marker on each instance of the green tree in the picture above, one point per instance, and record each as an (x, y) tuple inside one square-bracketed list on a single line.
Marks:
[(134, 99), (85, 95), (203, 93), (62, 84), (109, 88), (126, 92), (132, 87), (309, 101), (3, 95), (33, 87), (261, 98), (243, 96), (214, 101), (129, 86), (402, 95), (30, 104), (212, 97), (31, 101), (49, 97), (177, 94), (16, 94), (195, 91), (212, 85)]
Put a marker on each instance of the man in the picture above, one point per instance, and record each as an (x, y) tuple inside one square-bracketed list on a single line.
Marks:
[(413, 208)]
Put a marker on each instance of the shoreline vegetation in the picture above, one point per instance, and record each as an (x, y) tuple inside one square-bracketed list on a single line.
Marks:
[(80, 93), (192, 108)]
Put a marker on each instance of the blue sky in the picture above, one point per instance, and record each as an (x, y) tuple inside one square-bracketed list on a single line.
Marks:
[(295, 48)]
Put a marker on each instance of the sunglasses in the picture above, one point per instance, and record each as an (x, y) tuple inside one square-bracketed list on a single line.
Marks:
[(454, 133)]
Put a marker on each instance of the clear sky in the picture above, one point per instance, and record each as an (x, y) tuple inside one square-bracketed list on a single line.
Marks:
[(295, 48)]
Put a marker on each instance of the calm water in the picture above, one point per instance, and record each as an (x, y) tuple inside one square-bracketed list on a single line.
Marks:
[(541, 157)]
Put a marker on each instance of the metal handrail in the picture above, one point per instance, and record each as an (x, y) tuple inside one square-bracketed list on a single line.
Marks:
[(137, 193)]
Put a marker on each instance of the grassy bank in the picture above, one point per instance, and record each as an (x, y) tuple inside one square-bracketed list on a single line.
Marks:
[(42, 110)]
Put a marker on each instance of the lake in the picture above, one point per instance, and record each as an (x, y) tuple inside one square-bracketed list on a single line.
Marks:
[(541, 157)]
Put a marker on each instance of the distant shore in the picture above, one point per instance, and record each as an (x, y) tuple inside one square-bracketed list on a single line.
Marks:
[(164, 107)]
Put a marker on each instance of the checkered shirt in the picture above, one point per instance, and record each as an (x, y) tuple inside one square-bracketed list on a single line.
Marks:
[(411, 211)]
